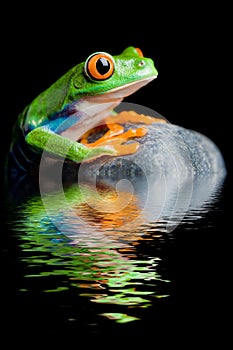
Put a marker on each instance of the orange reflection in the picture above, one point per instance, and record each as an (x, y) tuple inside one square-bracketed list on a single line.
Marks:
[(111, 210)]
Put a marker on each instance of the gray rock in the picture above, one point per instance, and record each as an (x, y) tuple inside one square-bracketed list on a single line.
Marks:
[(166, 150), (175, 175)]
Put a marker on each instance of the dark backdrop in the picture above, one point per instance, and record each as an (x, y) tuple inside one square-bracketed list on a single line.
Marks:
[(190, 45)]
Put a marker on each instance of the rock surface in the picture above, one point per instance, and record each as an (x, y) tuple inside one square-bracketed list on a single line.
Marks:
[(166, 149)]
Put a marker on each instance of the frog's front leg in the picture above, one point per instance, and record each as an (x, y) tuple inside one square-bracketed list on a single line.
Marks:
[(43, 139)]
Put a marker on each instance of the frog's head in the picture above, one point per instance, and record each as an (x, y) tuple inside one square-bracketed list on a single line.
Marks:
[(112, 76), (95, 87)]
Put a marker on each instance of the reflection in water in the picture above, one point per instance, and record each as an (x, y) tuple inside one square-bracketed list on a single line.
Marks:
[(89, 238)]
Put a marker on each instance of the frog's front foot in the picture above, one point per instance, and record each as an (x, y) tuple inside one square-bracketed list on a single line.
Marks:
[(115, 138), (115, 130), (115, 135), (116, 145)]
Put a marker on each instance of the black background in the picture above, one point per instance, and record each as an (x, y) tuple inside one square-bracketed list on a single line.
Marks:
[(190, 45)]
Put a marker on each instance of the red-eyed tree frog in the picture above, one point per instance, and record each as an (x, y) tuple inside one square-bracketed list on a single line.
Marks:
[(59, 120)]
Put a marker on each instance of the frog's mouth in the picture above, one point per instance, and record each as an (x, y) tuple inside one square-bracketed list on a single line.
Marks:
[(128, 89), (92, 110)]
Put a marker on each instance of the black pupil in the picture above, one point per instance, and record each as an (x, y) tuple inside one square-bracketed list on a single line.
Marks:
[(102, 65)]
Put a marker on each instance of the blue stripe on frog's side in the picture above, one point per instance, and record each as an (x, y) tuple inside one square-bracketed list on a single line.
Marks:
[(62, 123), (21, 157)]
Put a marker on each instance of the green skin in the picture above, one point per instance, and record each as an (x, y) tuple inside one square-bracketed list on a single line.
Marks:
[(75, 103)]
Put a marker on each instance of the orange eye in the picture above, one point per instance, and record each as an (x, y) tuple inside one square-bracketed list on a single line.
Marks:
[(139, 51), (99, 66)]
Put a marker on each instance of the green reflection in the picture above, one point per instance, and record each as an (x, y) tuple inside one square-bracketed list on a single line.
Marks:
[(93, 249), (58, 289), (121, 299), (118, 317)]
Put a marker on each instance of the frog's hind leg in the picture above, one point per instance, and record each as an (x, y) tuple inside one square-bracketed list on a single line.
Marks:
[(135, 118)]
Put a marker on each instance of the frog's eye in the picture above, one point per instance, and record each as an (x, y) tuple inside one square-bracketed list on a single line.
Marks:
[(99, 66)]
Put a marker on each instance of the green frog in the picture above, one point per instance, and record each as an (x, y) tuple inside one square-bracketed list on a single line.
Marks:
[(61, 119)]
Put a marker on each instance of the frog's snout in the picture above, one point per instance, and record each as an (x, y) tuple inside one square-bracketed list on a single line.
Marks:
[(147, 64)]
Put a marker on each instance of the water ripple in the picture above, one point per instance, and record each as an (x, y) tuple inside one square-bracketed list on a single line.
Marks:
[(68, 241)]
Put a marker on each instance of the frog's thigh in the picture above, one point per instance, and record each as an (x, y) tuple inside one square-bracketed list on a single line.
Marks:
[(133, 117)]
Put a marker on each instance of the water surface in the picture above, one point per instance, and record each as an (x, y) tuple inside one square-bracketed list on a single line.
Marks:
[(107, 259)]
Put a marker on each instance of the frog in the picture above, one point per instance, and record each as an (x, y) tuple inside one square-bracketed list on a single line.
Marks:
[(60, 120)]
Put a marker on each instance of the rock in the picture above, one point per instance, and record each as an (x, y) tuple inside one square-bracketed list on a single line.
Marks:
[(166, 149)]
